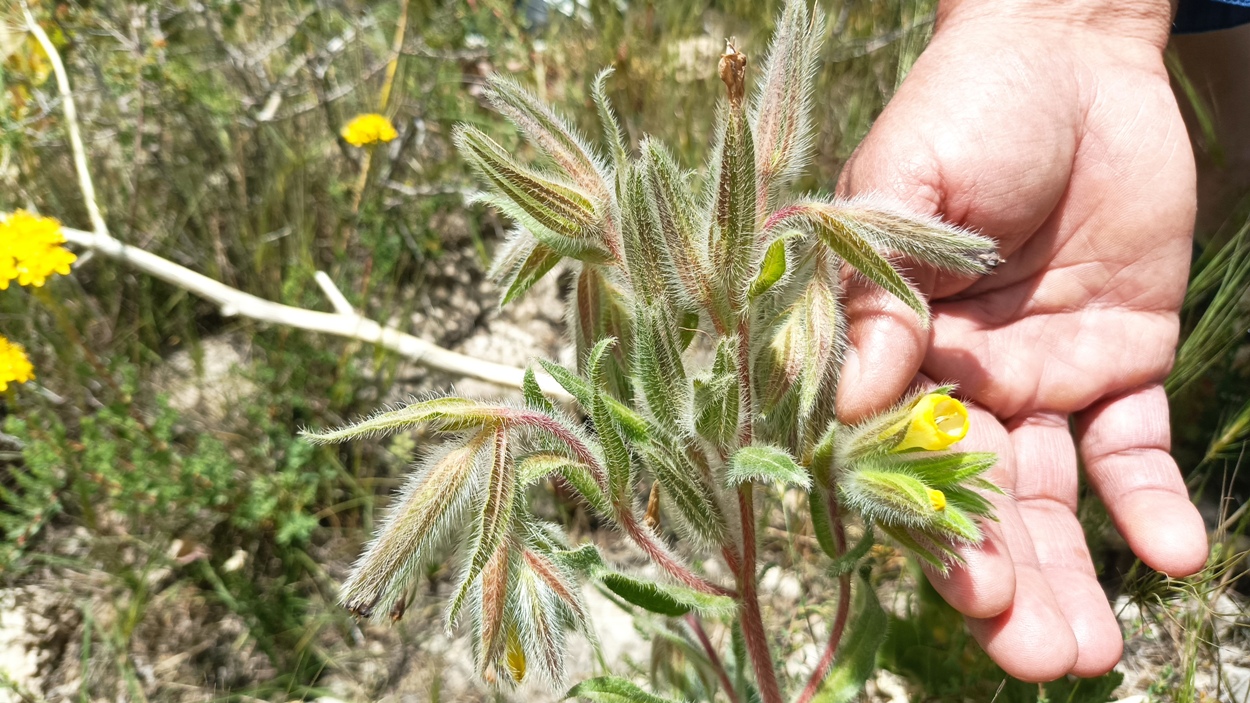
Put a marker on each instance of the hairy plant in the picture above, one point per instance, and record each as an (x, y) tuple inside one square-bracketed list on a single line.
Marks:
[(661, 259)]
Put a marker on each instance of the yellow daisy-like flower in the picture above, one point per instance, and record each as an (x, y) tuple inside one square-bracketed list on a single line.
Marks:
[(935, 422), (14, 366), (31, 249), (369, 129)]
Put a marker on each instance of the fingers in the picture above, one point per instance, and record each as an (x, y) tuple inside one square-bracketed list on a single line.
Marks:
[(1124, 442), (1046, 491), (886, 348), (985, 584)]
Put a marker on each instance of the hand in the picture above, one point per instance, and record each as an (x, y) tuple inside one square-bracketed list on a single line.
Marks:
[(1057, 134)]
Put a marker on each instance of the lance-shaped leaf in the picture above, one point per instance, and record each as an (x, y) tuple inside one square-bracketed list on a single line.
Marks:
[(427, 508), (533, 393), (600, 313), (492, 594), (734, 208), (935, 554), (847, 563), (716, 398), (650, 269), (620, 464), (559, 207), (688, 491), (666, 599), (521, 263), (607, 117), (561, 583), (925, 239), (806, 349), (537, 618), (587, 249), (659, 369), (444, 414), (857, 656), (781, 109), (551, 133), (772, 268), (613, 689), (675, 211), (829, 224), (539, 465), (576, 386), (947, 468), (766, 464), (494, 520), (888, 497)]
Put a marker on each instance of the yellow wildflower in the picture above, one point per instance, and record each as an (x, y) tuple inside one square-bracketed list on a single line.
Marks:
[(937, 499), (31, 249), (14, 366), (935, 422), (515, 656), (369, 129)]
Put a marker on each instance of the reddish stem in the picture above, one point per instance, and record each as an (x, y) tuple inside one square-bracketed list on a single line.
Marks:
[(844, 605), (752, 619), (663, 558), (713, 657)]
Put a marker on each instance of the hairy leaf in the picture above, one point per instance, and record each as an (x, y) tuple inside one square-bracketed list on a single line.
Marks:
[(666, 599), (611, 128), (445, 414), (494, 519), (689, 492), (947, 468), (658, 365), (586, 249), (533, 393), (550, 133), (781, 109), (857, 655), (734, 208), (716, 401), (925, 239), (613, 689), (766, 464), (772, 268)]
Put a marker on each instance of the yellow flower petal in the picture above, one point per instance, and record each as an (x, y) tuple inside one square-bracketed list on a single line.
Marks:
[(935, 422), (937, 499), (515, 656), (15, 367), (368, 129), (31, 249)]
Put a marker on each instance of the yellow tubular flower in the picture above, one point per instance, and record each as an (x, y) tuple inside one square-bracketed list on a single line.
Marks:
[(937, 499), (515, 656), (369, 129), (936, 422), (14, 366), (31, 250)]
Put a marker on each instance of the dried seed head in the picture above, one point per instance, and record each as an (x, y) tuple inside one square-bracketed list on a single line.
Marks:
[(733, 72)]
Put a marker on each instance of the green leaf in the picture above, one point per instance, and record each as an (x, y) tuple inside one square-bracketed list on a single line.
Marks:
[(772, 268), (716, 401), (587, 249), (585, 560), (925, 239), (549, 132), (533, 393), (859, 253), (766, 463), (685, 487), (539, 465), (846, 563), (620, 464), (658, 368), (734, 209), (857, 655), (613, 689), (446, 414), (540, 261), (556, 206), (611, 128), (817, 504), (571, 382), (888, 497), (946, 469), (666, 599), (495, 519)]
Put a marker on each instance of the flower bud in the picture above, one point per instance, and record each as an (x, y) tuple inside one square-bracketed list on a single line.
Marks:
[(937, 499)]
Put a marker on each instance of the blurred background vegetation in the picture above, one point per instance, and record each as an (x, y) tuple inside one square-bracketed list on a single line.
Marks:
[(173, 540)]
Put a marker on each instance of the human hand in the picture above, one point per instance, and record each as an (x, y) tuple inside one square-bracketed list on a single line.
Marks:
[(1053, 129)]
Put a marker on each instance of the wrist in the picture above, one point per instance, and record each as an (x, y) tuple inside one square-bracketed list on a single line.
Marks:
[(1142, 20)]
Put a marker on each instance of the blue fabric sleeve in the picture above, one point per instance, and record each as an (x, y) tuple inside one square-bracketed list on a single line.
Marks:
[(1193, 16)]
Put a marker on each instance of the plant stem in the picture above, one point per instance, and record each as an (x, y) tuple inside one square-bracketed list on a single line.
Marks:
[(713, 657), (752, 619), (844, 605)]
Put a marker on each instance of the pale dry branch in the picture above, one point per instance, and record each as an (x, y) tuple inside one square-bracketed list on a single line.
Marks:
[(344, 322)]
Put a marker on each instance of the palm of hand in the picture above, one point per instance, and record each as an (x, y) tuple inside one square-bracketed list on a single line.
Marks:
[(1076, 160)]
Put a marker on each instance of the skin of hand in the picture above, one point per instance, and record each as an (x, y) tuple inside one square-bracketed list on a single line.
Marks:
[(1052, 128)]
